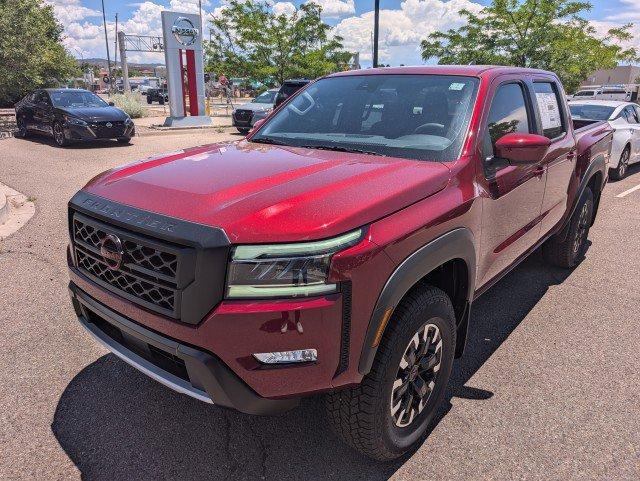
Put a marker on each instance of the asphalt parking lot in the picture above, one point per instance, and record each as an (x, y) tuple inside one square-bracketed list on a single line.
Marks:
[(549, 387)]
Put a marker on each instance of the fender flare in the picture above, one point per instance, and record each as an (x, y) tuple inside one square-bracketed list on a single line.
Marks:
[(456, 244), (597, 165)]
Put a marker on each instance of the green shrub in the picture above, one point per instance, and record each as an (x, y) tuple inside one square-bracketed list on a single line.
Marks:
[(131, 103)]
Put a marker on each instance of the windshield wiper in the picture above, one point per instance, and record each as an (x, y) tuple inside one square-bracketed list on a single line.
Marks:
[(340, 148), (269, 140)]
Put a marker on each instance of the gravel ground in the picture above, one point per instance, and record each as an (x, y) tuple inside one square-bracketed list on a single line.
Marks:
[(548, 388)]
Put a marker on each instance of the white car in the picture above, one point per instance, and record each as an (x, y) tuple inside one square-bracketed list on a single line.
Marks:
[(605, 93), (624, 117)]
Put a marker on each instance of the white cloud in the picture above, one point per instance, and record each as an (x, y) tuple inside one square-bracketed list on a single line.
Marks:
[(284, 8), (630, 12), (602, 27), (402, 30), (67, 11), (336, 8)]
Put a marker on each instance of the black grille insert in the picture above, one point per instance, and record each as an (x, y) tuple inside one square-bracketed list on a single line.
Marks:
[(150, 273)]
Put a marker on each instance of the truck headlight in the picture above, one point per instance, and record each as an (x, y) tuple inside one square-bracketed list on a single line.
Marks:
[(285, 270)]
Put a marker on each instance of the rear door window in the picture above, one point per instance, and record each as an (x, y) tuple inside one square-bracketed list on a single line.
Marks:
[(549, 107)]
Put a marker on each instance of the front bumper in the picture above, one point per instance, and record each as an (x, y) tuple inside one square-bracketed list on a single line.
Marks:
[(91, 132), (182, 368)]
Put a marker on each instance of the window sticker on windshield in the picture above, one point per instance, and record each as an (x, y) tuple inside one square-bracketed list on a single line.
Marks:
[(456, 86), (549, 110)]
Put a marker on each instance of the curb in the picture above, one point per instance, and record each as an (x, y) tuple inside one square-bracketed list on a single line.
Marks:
[(15, 213), (156, 131)]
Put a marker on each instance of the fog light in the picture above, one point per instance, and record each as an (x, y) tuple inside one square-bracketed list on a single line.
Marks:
[(285, 357)]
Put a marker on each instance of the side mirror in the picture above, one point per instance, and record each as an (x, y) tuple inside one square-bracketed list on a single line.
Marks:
[(256, 126), (111, 104), (520, 149)]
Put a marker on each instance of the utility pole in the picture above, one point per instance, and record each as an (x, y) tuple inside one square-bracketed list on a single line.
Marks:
[(106, 40), (115, 49), (376, 28)]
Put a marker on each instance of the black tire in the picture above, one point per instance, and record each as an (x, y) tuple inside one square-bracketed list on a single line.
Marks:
[(620, 172), (243, 131), (23, 131), (161, 100), (124, 140), (149, 100), (570, 251), (58, 135), (362, 415)]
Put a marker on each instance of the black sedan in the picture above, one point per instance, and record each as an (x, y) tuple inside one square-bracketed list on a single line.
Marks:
[(70, 115)]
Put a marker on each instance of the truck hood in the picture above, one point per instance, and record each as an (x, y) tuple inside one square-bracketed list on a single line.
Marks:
[(266, 193)]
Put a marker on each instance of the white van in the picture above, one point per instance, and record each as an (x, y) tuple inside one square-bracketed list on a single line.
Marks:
[(604, 93)]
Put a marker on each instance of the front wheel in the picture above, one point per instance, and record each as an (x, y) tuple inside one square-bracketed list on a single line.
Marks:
[(58, 135), (149, 100), (623, 164), (392, 408), (23, 131), (124, 140), (568, 252), (243, 130)]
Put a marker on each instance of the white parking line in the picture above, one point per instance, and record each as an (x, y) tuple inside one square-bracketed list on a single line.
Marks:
[(627, 192)]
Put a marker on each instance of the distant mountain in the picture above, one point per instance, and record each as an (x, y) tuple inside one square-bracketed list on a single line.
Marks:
[(102, 63)]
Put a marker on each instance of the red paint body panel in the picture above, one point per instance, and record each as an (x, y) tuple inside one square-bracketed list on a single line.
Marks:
[(262, 193)]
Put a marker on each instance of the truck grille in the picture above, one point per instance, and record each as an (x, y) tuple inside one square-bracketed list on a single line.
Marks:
[(149, 270)]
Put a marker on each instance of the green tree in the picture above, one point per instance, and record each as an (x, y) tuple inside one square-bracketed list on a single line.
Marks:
[(546, 34), (250, 40), (31, 53)]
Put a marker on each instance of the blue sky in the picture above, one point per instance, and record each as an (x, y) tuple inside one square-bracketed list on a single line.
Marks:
[(403, 23)]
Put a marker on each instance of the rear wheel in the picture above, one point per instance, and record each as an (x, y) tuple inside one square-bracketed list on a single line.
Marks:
[(623, 165), (567, 253), (391, 410), (58, 135)]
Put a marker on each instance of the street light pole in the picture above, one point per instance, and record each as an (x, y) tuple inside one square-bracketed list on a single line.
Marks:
[(376, 28), (106, 39)]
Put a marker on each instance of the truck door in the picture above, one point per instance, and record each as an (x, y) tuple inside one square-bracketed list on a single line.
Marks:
[(560, 159), (513, 194)]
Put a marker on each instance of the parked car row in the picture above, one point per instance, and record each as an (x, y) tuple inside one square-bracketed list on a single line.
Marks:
[(245, 116), (339, 248), (624, 118)]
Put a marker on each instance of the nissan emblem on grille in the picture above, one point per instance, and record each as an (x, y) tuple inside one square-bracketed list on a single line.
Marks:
[(108, 125), (111, 251)]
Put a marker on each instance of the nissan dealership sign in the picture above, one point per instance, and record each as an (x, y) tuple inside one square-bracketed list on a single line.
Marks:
[(184, 31), (183, 55)]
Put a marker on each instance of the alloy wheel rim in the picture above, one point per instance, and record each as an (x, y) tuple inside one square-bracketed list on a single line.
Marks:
[(58, 134), (582, 229), (416, 376), (624, 160)]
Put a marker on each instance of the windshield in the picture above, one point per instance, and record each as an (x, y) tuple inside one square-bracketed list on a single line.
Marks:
[(267, 97), (590, 112), (422, 117), (76, 99)]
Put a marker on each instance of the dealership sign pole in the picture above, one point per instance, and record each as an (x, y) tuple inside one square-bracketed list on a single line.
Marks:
[(185, 70)]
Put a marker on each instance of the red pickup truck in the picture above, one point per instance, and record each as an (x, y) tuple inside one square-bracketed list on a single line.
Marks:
[(338, 248)]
